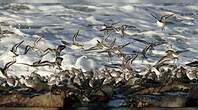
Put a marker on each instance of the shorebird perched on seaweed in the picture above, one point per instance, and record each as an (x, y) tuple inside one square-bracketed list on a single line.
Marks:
[(74, 45), (161, 22)]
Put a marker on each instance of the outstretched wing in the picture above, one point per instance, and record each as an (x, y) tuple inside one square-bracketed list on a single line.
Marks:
[(9, 64), (154, 17), (75, 36), (14, 48)]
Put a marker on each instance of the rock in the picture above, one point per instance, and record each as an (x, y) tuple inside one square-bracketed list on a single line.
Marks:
[(47, 100), (193, 91), (44, 100), (14, 100), (108, 90), (98, 96), (172, 101)]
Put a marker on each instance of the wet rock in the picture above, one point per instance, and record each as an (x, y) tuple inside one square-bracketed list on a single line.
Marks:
[(14, 100), (192, 100), (172, 101), (157, 101), (47, 100), (193, 91), (71, 100), (98, 96)]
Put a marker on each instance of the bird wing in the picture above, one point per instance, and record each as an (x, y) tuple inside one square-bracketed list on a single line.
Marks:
[(9, 64), (164, 17), (75, 36), (64, 42), (154, 17), (139, 40), (113, 43), (37, 40), (167, 16), (27, 48), (14, 48)]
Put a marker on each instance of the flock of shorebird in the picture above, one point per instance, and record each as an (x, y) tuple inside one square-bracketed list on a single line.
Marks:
[(85, 69)]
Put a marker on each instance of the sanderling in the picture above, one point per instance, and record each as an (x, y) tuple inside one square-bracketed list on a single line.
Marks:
[(11, 81), (5, 68), (170, 55), (54, 80), (74, 45), (14, 48), (33, 47), (192, 74), (148, 48), (109, 27), (192, 64), (57, 51), (3, 32), (114, 49), (161, 22), (125, 65), (99, 45), (96, 83), (121, 29), (2, 81), (33, 83)]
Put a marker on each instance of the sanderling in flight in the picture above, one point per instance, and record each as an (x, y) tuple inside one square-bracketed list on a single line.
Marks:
[(14, 48), (57, 51), (122, 29), (170, 55), (33, 47), (161, 22), (192, 64), (99, 45), (74, 45), (5, 68), (109, 28)]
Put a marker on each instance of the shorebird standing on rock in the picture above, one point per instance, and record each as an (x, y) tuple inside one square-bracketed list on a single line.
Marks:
[(33, 83), (193, 74)]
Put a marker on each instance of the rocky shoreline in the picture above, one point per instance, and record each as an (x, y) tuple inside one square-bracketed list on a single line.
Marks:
[(144, 93)]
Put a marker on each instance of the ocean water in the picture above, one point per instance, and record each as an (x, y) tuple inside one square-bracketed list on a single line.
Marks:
[(56, 20)]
